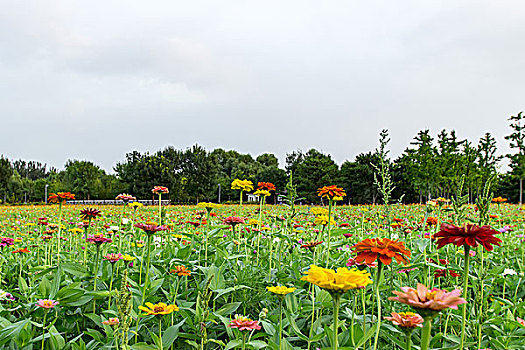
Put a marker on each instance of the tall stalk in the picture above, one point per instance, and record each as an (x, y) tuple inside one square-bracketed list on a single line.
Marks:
[(465, 289)]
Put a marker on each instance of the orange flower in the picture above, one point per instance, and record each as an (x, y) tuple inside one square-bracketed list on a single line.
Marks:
[(499, 200), (384, 249), (331, 192), (266, 185), (60, 197), (21, 250), (181, 270)]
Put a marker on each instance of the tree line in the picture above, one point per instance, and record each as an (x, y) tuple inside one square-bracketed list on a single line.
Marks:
[(430, 167)]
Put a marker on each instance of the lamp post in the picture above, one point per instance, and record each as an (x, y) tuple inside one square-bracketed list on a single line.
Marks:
[(219, 193), (46, 193)]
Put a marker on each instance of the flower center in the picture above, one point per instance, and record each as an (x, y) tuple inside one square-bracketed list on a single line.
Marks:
[(431, 295), (157, 309)]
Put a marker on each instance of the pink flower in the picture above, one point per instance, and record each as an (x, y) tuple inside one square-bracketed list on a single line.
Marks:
[(47, 303), (406, 319), (111, 322), (520, 321), (113, 258), (242, 323), (160, 189), (233, 220), (435, 299)]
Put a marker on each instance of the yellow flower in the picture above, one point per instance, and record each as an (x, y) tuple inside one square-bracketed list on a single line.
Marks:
[(323, 220), (319, 211), (135, 204), (207, 205), (337, 198), (158, 309), (337, 282), (244, 185), (281, 290), (128, 257), (264, 193), (253, 222)]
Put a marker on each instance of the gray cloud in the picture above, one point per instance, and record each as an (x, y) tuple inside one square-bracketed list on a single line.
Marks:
[(94, 80)]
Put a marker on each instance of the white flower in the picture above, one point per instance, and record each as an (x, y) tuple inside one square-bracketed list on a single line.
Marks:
[(509, 272), (125, 221), (276, 240)]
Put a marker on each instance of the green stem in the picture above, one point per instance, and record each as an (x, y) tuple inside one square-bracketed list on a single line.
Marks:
[(44, 330), (160, 333), (243, 341), (160, 209), (378, 300), (336, 298), (280, 323), (465, 289), (96, 275), (426, 334), (409, 341), (329, 226)]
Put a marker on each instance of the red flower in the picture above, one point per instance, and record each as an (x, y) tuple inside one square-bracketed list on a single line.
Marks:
[(469, 234), (266, 185)]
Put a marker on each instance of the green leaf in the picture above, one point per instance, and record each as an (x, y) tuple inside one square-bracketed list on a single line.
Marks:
[(142, 346), (233, 344), (227, 309)]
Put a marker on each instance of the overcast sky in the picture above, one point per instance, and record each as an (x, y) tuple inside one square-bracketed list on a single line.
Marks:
[(96, 79)]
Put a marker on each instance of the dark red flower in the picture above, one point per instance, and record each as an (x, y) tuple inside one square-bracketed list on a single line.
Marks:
[(89, 213), (469, 234)]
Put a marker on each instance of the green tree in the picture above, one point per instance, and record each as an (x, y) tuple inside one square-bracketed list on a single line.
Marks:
[(315, 170), (517, 142)]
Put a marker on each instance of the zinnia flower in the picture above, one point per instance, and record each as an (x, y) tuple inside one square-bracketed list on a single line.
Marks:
[(47, 303), (151, 228), (281, 290), (6, 296), (21, 250), (244, 185), (499, 200), (384, 249), (406, 319), (125, 198), (242, 323), (469, 234), (89, 213), (311, 245), (60, 197), (233, 220), (158, 309), (98, 239), (113, 257), (160, 189), (263, 193), (266, 185), (180, 270), (331, 192), (337, 282), (422, 298), (112, 321)]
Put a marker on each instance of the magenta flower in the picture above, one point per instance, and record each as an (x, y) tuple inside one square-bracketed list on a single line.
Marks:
[(98, 239), (233, 220)]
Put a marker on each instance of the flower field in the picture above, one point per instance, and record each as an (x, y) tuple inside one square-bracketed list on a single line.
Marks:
[(437, 276)]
